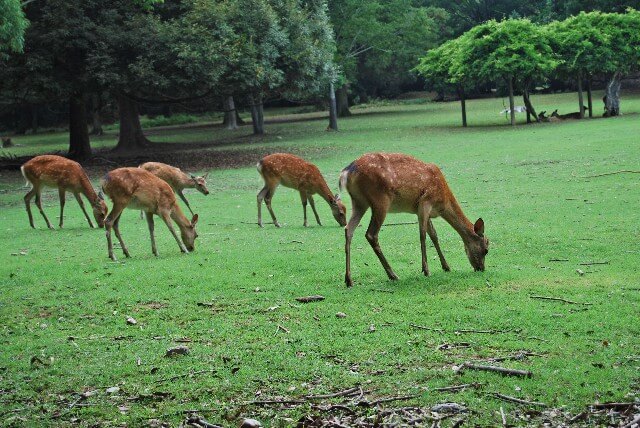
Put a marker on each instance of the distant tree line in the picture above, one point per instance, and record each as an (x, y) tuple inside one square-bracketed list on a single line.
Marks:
[(520, 54)]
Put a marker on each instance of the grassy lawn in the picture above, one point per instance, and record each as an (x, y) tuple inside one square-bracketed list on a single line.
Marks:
[(64, 304)]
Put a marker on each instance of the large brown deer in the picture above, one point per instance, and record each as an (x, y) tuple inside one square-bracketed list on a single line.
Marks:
[(296, 173), (392, 182), (139, 189), (67, 176), (177, 179)]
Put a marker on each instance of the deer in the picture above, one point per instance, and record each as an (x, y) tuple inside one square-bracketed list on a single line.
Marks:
[(67, 176), (139, 189), (394, 182), (574, 115), (177, 179), (296, 173)]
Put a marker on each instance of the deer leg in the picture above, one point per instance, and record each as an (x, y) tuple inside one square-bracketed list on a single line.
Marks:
[(39, 205), (154, 250), (27, 202), (167, 221), (63, 199), (303, 198), (81, 203), (377, 218), (267, 199), (261, 196), (354, 221), (434, 238), (116, 228), (179, 192), (108, 225), (313, 207), (423, 220)]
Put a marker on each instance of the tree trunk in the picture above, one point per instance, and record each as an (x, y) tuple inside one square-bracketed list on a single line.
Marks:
[(580, 96), (257, 114), (343, 101), (511, 102), (612, 96), (96, 119), (463, 106), (230, 113), (79, 145), (131, 135), (333, 109), (531, 111), (589, 97)]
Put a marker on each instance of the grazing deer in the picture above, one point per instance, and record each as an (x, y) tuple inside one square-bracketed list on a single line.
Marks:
[(67, 176), (296, 173), (574, 115), (139, 189), (392, 182), (177, 179)]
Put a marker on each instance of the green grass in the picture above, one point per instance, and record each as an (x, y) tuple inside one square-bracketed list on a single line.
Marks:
[(65, 303)]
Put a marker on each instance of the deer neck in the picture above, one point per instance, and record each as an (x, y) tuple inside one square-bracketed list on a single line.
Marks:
[(455, 217), (89, 192), (186, 182), (323, 190), (178, 216)]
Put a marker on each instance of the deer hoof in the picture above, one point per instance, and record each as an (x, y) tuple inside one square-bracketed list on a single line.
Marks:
[(446, 268), (426, 272), (393, 276), (348, 281), (276, 224)]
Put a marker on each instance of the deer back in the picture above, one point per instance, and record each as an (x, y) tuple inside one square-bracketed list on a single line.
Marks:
[(138, 188)]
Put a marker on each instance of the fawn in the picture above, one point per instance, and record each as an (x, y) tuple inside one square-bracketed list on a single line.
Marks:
[(67, 176), (296, 173), (139, 189)]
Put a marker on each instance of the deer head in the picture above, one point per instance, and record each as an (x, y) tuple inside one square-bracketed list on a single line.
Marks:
[(189, 233), (478, 246), (338, 210), (201, 183)]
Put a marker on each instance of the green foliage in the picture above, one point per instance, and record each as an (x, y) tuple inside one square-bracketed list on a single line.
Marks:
[(175, 119), (13, 24), (379, 42), (513, 48), (597, 43)]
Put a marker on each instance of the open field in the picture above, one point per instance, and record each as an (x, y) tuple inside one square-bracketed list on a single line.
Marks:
[(64, 304)]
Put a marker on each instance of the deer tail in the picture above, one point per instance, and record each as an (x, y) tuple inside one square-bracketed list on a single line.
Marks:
[(344, 176), (28, 183)]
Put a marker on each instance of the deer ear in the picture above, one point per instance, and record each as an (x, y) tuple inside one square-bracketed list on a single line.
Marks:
[(193, 177), (194, 220), (101, 195), (479, 227), (205, 176)]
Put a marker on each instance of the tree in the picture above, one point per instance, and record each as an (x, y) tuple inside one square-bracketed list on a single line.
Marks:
[(13, 24), (580, 45), (437, 68), (379, 42), (515, 50)]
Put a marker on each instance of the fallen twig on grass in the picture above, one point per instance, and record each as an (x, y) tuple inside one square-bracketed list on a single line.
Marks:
[(577, 417), (612, 405), (622, 171), (400, 224), (347, 392), (458, 423), (308, 299), (199, 421), (559, 299), (635, 421), (270, 402), (606, 262), (282, 328), (516, 400), (501, 370), (456, 388), (504, 417), (558, 260), (382, 290), (366, 403), (422, 327)]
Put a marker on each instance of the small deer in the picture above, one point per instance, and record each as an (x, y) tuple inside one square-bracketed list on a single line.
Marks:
[(177, 179), (392, 182), (139, 189), (67, 176), (296, 173), (574, 115)]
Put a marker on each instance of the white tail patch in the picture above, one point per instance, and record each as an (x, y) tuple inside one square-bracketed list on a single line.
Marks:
[(259, 167), (344, 176), (28, 183)]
